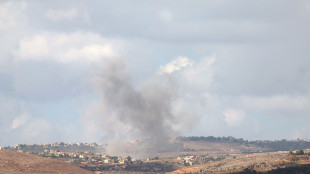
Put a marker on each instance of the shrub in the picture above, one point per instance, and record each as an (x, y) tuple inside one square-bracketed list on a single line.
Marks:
[(299, 152)]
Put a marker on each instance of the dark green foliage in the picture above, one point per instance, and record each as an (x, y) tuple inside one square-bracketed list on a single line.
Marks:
[(299, 152), (129, 158)]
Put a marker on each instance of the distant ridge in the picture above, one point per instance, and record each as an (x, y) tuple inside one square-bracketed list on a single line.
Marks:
[(267, 145)]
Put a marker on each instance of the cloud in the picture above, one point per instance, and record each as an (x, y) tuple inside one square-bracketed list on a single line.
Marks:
[(20, 121), (37, 130), (200, 74), (300, 132), (175, 65), (11, 14), (51, 66), (10, 108), (166, 15), (64, 14), (94, 52), (234, 117), (18, 125), (33, 48), (64, 48), (277, 103), (256, 63)]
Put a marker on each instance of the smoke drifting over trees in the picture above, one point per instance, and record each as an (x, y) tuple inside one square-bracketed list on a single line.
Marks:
[(146, 109)]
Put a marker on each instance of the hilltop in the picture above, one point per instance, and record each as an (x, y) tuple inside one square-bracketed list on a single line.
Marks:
[(275, 162)]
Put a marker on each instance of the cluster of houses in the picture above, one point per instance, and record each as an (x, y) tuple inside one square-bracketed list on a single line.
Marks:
[(86, 157), (89, 156), (189, 160)]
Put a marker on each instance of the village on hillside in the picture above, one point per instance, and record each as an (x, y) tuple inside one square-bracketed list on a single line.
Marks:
[(196, 151)]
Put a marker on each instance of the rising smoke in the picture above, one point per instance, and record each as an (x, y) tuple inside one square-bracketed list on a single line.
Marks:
[(146, 109)]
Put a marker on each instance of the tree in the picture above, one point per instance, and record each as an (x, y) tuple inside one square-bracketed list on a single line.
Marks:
[(129, 158), (299, 152)]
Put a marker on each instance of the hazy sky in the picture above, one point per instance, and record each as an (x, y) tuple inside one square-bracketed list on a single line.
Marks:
[(240, 68)]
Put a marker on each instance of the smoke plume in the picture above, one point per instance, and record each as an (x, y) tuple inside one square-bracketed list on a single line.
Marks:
[(146, 108)]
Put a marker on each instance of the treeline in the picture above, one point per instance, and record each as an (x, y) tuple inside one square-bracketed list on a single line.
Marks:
[(210, 138), (62, 147), (277, 145), (282, 145)]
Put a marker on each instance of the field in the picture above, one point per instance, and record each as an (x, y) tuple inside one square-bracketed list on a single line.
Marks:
[(261, 162), (17, 162)]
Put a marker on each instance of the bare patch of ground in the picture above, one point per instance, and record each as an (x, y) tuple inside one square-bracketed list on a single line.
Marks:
[(261, 162), (18, 162)]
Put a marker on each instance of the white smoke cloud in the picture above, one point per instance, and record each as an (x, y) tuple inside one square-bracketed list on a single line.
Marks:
[(153, 111), (176, 65), (146, 110), (234, 117), (20, 121)]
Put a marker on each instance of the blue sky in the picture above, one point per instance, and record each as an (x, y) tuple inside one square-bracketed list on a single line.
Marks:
[(239, 68)]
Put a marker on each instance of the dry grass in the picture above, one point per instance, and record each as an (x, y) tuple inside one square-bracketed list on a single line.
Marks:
[(17, 162), (260, 162)]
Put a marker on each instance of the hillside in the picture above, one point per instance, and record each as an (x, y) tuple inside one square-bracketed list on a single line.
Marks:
[(260, 162), (17, 162), (193, 154), (249, 146)]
